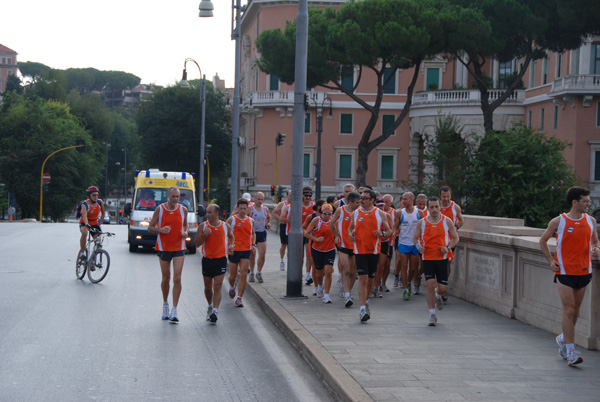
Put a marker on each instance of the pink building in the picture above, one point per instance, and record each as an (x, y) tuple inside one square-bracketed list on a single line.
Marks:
[(561, 96), (8, 65)]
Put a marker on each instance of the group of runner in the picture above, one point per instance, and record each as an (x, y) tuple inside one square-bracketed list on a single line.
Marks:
[(366, 230)]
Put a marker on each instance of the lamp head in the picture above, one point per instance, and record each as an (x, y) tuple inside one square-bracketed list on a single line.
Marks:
[(206, 8), (184, 83)]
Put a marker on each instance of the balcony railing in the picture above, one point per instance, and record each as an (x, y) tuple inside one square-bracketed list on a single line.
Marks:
[(463, 97), (576, 85), (280, 98)]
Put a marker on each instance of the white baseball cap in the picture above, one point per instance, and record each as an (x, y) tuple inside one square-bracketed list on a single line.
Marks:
[(247, 196)]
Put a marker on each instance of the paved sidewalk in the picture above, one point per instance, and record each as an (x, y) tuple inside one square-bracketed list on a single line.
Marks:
[(472, 355)]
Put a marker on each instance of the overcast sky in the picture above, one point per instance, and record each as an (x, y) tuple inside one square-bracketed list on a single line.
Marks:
[(148, 38)]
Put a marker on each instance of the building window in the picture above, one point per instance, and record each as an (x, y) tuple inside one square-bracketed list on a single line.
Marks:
[(347, 77), (345, 166), (390, 86), (545, 71), (555, 119), (559, 58), (273, 82), (387, 167), (433, 79), (598, 114), (306, 166), (595, 59), (529, 118), (532, 74), (504, 72), (542, 112), (346, 123), (386, 122), (306, 123)]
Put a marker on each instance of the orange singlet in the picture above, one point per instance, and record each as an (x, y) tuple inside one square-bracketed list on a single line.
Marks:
[(323, 229), (573, 245), (307, 211), (171, 241), (343, 223), (215, 245), (434, 236), (92, 213), (242, 231), (449, 211), (365, 223)]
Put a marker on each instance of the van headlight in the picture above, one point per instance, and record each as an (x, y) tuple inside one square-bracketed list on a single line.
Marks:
[(139, 223)]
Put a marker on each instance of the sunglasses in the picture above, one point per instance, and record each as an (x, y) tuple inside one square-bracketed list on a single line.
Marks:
[(307, 194), (327, 213), (365, 198)]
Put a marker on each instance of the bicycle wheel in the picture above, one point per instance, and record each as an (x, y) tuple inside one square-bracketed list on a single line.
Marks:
[(98, 266), (80, 265)]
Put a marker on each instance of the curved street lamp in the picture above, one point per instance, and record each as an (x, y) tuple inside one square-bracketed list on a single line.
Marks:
[(184, 83)]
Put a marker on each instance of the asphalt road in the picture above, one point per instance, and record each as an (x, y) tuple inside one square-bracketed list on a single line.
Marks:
[(63, 339)]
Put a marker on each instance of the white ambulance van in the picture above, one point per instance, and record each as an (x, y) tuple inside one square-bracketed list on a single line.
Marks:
[(151, 187)]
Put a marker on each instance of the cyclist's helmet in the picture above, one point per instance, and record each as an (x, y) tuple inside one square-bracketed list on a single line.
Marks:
[(92, 189)]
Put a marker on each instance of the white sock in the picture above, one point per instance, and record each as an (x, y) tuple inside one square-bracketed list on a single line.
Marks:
[(215, 310), (326, 295), (561, 337), (346, 294), (431, 311), (362, 308), (282, 260), (210, 306), (570, 347)]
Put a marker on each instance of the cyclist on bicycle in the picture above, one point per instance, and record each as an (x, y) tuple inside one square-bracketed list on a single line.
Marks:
[(92, 214)]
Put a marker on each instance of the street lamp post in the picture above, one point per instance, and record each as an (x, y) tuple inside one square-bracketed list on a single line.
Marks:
[(125, 176), (185, 84), (319, 104), (235, 132), (106, 171)]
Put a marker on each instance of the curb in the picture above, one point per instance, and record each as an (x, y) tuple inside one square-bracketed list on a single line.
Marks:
[(343, 385)]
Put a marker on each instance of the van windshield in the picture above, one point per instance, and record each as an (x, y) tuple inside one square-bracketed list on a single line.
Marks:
[(148, 198)]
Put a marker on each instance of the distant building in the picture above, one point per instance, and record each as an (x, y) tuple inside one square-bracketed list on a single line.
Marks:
[(8, 65), (561, 97)]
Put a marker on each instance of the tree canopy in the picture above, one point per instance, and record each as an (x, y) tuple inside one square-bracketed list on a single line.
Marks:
[(171, 124), (380, 36)]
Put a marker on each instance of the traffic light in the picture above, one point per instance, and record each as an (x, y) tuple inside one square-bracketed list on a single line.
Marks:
[(279, 139), (272, 191)]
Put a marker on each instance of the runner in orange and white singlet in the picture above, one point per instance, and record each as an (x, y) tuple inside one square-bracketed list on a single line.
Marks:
[(453, 211), (435, 236), (340, 225), (92, 214), (245, 246), (323, 250), (576, 243), (216, 239), (169, 222), (384, 249), (367, 228)]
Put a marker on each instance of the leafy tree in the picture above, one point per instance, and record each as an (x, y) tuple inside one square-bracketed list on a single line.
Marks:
[(447, 158), (32, 69), (520, 173), (519, 29), (124, 136), (50, 84), (170, 124), (379, 36), (32, 128)]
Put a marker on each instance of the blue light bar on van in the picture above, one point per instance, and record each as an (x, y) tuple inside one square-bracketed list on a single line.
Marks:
[(136, 173), (193, 175), (148, 173), (183, 175)]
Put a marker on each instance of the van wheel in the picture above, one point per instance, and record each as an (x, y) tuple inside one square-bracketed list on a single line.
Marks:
[(192, 249), (132, 247)]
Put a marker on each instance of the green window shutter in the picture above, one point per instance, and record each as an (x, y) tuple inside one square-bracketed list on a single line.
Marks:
[(306, 169), (345, 166), (387, 167), (346, 123), (433, 78), (273, 82), (386, 122)]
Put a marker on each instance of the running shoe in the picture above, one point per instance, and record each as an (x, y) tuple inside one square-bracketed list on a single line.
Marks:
[(232, 292), (409, 290), (326, 299), (319, 292), (416, 289), (445, 297), (314, 291), (307, 279), (406, 295), (282, 266), (439, 303), (165, 315), (259, 277), (174, 319), (396, 282), (82, 257), (368, 309), (562, 348), (349, 302), (383, 288), (373, 294), (251, 277), (364, 315), (213, 317), (432, 320), (573, 358), (208, 313), (341, 292), (238, 302)]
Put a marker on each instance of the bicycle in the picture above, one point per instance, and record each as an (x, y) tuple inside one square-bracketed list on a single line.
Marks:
[(96, 260)]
